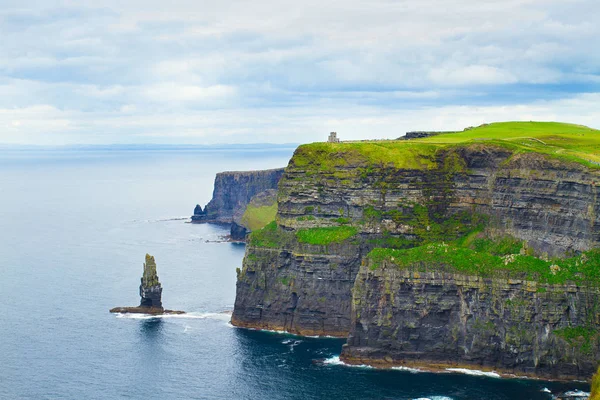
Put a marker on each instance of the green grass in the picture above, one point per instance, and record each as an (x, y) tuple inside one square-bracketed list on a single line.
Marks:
[(568, 141), (563, 141), (494, 260), (257, 217), (325, 236), (269, 236), (331, 156)]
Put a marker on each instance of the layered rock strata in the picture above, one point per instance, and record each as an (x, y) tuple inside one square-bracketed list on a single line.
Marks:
[(449, 320), (232, 193)]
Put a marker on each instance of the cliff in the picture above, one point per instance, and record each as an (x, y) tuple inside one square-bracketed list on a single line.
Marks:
[(519, 201), (245, 200), (232, 193), (429, 317)]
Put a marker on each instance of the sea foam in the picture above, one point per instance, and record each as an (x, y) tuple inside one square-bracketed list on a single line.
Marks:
[(407, 369), (577, 393), (434, 398), (192, 315), (474, 372), (335, 360)]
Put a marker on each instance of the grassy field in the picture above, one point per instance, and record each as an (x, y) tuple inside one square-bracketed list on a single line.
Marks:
[(564, 141), (576, 142)]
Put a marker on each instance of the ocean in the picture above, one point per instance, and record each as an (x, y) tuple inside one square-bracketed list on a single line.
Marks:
[(75, 225)]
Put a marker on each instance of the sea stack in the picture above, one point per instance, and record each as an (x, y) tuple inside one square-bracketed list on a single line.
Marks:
[(150, 293), (150, 288)]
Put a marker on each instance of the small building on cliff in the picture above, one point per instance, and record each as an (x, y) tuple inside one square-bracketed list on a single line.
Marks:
[(333, 138)]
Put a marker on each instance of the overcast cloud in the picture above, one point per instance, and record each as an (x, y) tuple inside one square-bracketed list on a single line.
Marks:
[(277, 71)]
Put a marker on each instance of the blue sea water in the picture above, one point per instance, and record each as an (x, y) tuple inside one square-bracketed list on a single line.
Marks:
[(74, 228)]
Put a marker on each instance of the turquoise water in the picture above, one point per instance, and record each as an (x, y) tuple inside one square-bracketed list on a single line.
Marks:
[(74, 229)]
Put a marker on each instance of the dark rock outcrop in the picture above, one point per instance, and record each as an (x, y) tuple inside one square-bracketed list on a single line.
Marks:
[(232, 193), (238, 232), (150, 293)]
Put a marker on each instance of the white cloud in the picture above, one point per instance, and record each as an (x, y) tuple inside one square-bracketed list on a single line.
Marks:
[(174, 92), (277, 70), (470, 75)]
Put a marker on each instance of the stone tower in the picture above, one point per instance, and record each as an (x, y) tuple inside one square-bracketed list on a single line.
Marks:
[(333, 138)]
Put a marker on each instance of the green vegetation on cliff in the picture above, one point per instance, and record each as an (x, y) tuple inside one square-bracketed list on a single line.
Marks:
[(269, 236), (582, 337), (273, 236), (257, 217), (400, 154), (325, 236), (503, 258), (568, 142)]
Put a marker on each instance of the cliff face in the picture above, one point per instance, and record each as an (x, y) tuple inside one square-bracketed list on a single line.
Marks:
[(232, 193), (304, 289), (445, 319), (338, 202), (550, 204)]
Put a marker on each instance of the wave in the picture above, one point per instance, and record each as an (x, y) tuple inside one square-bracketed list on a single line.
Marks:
[(335, 360), (281, 332), (434, 398), (407, 369), (193, 315), (474, 372), (292, 342), (576, 393)]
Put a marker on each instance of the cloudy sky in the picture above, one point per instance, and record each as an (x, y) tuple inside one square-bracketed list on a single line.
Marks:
[(278, 71)]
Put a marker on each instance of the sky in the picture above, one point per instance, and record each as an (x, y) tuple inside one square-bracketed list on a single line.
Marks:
[(278, 71)]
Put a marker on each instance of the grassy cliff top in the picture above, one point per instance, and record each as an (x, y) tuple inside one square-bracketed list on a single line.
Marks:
[(565, 141)]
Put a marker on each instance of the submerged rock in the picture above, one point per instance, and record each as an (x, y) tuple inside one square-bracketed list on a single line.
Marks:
[(150, 293)]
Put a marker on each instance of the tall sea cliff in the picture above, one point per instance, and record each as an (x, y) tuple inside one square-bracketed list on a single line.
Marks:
[(469, 249), (244, 199)]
